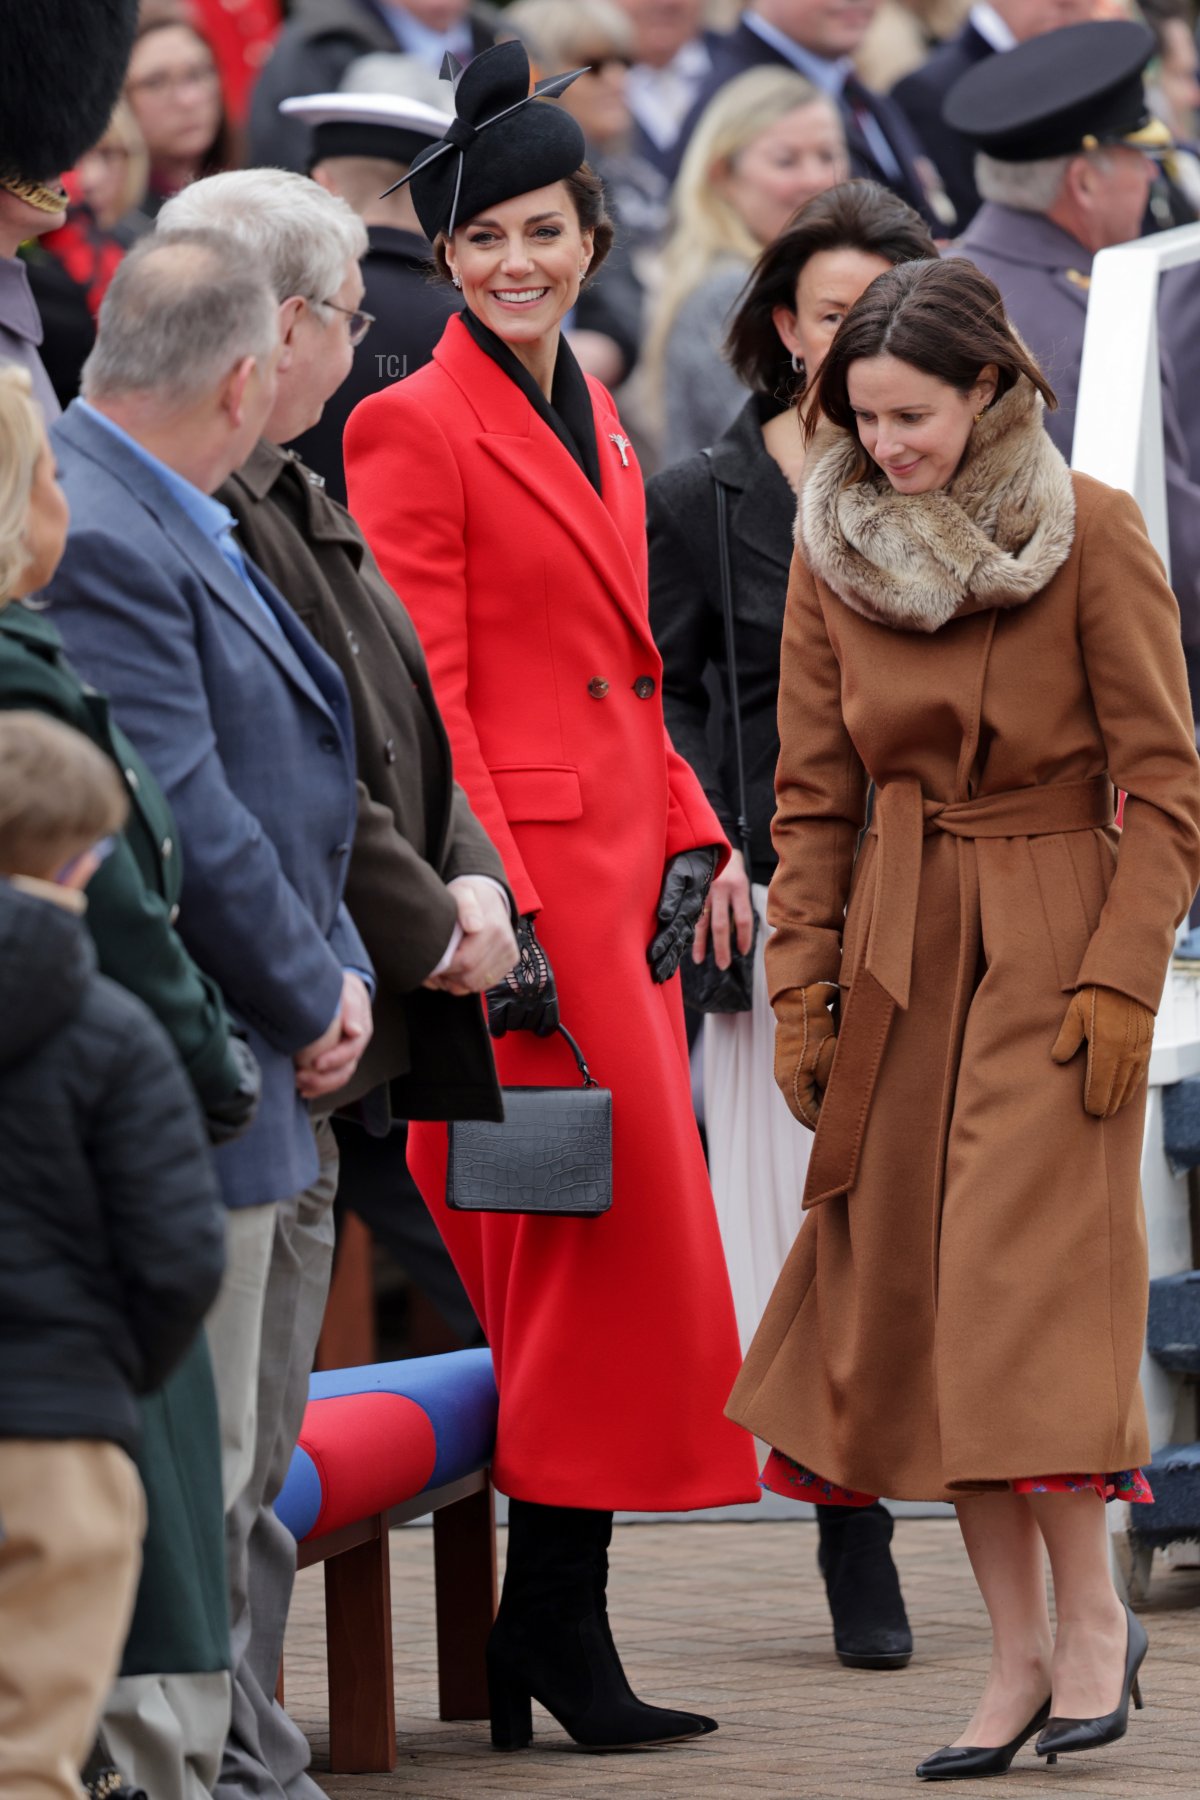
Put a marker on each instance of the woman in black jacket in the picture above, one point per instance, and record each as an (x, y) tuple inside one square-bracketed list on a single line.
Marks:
[(798, 292)]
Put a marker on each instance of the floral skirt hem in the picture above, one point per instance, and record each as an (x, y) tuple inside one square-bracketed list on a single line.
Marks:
[(783, 1476)]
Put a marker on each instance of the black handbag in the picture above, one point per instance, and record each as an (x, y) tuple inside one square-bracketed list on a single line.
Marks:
[(706, 988), (551, 1153)]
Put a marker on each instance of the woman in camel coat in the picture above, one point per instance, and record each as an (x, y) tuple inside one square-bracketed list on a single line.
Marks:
[(990, 640)]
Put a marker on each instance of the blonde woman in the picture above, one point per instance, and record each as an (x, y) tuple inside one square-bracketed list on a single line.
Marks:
[(768, 142)]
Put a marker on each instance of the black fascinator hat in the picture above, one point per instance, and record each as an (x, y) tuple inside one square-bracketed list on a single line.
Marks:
[(504, 141), (63, 67)]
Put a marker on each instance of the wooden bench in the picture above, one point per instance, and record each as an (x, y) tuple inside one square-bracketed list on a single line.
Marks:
[(381, 1446)]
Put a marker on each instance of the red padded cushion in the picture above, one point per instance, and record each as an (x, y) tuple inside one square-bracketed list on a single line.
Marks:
[(371, 1451)]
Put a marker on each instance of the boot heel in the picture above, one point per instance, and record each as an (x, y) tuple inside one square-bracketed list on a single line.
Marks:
[(1136, 1692), (1052, 1758), (511, 1709)]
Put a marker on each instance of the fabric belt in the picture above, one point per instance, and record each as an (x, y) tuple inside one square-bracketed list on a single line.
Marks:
[(904, 817)]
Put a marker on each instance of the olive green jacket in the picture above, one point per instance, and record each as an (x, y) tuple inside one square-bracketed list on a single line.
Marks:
[(180, 1623), (133, 898)]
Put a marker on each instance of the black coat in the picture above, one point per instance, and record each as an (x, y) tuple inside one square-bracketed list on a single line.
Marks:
[(742, 49), (318, 43), (415, 829), (920, 96), (686, 615), (410, 316), (112, 1230)]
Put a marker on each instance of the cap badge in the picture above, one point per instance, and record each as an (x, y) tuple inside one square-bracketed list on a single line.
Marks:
[(623, 445)]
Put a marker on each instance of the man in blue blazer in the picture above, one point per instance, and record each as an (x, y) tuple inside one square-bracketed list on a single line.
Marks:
[(818, 42), (246, 724)]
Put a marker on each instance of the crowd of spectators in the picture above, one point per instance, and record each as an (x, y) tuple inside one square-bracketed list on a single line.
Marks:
[(229, 268)]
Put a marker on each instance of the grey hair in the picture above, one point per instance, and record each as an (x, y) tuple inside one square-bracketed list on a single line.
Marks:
[(1030, 187), (303, 235), (182, 310)]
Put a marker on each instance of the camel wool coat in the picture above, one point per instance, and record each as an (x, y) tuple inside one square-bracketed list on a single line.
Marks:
[(965, 1303)]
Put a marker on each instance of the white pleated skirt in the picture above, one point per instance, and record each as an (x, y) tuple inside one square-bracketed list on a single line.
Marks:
[(757, 1153)]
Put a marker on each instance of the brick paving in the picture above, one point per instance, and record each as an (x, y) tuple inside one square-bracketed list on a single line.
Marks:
[(731, 1619)]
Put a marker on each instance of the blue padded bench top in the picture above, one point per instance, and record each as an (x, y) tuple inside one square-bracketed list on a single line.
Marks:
[(448, 1400)]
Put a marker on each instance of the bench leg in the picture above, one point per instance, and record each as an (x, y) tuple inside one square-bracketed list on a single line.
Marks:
[(464, 1552), (358, 1636)]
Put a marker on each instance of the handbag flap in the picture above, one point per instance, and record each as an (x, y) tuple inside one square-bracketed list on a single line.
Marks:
[(551, 1154)]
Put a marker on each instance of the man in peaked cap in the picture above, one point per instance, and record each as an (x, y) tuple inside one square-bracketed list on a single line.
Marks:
[(362, 145), (64, 64), (1064, 163)]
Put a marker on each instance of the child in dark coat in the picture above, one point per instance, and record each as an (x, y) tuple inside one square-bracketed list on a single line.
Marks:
[(111, 1252)]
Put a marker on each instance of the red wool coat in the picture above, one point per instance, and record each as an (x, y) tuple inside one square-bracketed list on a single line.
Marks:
[(614, 1338)]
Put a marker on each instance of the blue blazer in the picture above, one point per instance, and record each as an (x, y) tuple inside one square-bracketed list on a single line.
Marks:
[(248, 729)]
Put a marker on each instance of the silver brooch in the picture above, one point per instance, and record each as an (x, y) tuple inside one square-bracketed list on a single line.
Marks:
[(623, 445)]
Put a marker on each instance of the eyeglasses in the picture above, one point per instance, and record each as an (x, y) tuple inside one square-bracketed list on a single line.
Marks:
[(602, 65), (360, 322)]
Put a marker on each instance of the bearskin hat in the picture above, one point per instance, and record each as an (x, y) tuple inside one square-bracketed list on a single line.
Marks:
[(63, 63)]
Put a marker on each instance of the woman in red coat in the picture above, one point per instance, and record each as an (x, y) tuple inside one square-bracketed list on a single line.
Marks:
[(506, 507)]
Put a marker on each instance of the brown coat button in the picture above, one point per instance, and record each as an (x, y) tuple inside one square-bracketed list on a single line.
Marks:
[(597, 687), (644, 687)]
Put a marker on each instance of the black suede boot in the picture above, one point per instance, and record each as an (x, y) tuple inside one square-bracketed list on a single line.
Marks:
[(551, 1640), (870, 1625)]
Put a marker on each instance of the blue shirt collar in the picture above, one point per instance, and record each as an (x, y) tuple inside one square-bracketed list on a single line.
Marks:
[(829, 76), (420, 40), (210, 516)]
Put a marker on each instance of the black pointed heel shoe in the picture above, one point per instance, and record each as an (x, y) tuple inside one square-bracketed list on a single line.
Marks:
[(965, 1762), (551, 1641), (870, 1625), (1062, 1735)]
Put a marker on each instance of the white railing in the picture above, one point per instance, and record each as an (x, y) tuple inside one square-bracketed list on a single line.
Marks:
[(1119, 439), (1118, 416)]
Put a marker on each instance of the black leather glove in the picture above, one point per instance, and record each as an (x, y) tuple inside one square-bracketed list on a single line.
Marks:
[(526, 999), (686, 882), (230, 1117)]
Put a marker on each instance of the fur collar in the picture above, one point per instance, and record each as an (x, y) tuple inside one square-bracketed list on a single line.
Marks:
[(993, 538)]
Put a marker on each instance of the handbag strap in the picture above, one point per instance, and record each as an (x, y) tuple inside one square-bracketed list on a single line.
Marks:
[(724, 567), (589, 1080)]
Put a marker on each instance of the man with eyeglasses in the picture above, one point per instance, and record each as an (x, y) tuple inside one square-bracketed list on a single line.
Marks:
[(424, 885)]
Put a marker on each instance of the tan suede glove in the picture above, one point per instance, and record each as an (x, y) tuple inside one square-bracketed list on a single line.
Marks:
[(1119, 1033), (805, 1039)]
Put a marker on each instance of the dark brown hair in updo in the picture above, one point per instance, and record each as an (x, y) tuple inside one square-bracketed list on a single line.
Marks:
[(855, 215), (944, 317), (587, 191)]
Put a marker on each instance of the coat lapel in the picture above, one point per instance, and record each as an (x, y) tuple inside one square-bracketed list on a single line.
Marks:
[(608, 527), (289, 645)]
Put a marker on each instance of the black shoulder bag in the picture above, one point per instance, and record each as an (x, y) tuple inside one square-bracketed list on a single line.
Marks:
[(551, 1153), (706, 988)]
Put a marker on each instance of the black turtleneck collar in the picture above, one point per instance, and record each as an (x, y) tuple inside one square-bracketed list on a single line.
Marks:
[(568, 412)]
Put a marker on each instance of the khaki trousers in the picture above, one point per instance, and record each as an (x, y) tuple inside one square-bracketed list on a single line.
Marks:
[(72, 1517)]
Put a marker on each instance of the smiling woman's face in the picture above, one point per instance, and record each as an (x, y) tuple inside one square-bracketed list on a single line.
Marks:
[(912, 424), (521, 263)]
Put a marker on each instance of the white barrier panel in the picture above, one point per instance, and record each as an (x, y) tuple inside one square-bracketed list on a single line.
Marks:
[(1119, 440)]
